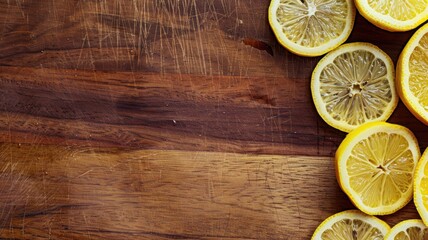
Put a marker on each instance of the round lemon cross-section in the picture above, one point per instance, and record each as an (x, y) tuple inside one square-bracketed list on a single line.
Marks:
[(309, 27)]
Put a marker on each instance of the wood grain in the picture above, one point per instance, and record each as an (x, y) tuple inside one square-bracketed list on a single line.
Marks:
[(165, 194), (164, 119)]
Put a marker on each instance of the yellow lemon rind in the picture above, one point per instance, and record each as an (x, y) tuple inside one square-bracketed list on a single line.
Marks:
[(387, 22), (417, 195), (403, 74), (403, 226), (350, 214), (344, 150), (327, 59), (308, 51)]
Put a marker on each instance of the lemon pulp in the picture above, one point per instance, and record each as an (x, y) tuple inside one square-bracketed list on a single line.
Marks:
[(314, 18), (413, 229), (375, 167), (400, 10), (380, 169), (311, 27), (393, 15), (354, 84), (355, 87), (351, 224), (352, 229), (418, 65)]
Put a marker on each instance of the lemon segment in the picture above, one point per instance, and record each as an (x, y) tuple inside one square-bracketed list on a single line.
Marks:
[(413, 229), (392, 15), (351, 224), (311, 27), (412, 79), (420, 190), (354, 84), (375, 166)]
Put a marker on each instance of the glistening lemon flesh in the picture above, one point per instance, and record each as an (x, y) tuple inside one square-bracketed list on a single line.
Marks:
[(412, 79), (392, 15), (351, 224), (412, 229), (311, 28), (420, 191), (375, 166), (354, 84)]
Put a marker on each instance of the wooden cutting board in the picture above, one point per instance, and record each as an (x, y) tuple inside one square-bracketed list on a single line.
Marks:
[(164, 119)]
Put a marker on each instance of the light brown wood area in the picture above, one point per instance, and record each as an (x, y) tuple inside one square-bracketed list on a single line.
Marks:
[(164, 119)]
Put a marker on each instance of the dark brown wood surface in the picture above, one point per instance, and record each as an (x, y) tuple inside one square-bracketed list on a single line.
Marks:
[(164, 119)]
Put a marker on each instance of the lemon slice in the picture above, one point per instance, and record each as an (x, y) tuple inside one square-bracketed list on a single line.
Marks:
[(413, 229), (420, 196), (351, 224), (393, 15), (412, 69), (375, 165), (311, 27), (354, 84)]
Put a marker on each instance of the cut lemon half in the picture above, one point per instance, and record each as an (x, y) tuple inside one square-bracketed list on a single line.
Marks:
[(413, 229), (351, 224), (375, 165), (311, 27), (392, 15), (420, 196), (412, 78), (354, 84)]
